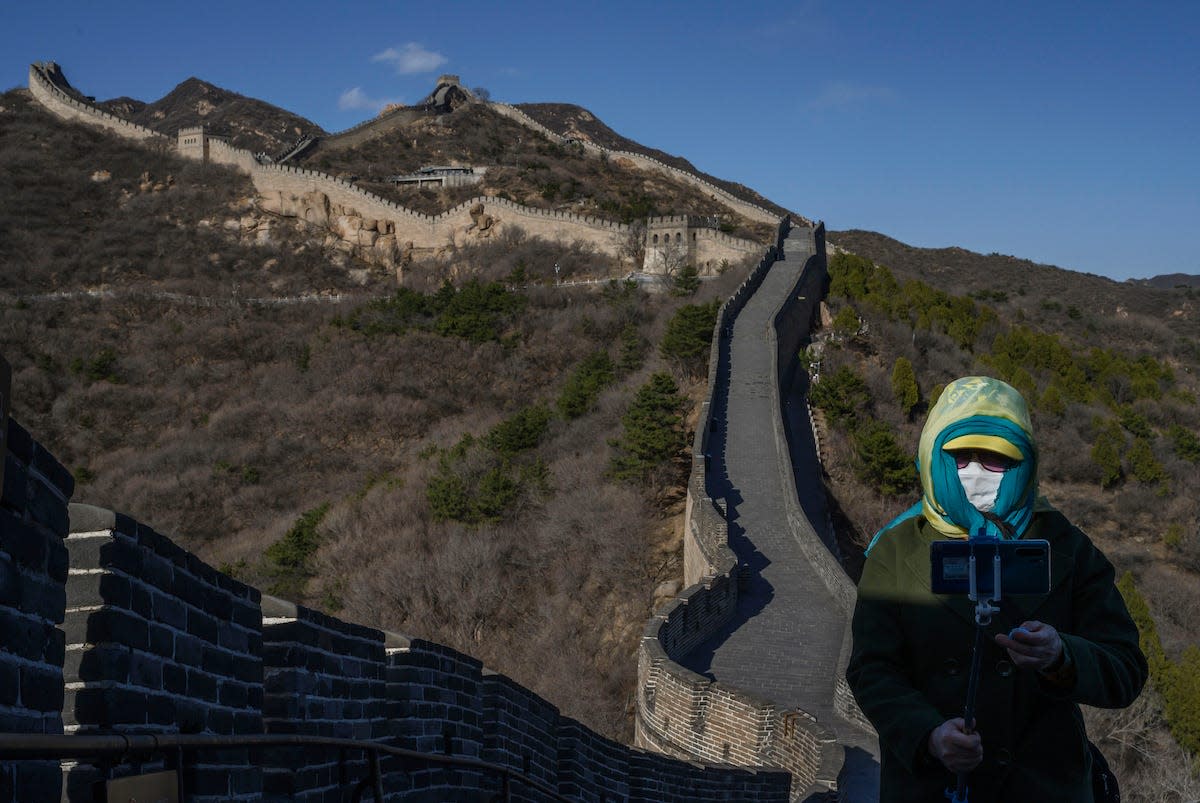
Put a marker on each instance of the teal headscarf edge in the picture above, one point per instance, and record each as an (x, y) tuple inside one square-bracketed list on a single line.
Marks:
[(1014, 501)]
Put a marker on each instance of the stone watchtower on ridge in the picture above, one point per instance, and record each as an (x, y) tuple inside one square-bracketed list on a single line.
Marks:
[(194, 141)]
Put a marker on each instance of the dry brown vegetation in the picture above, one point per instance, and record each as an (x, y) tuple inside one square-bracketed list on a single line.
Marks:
[(221, 421), (523, 166)]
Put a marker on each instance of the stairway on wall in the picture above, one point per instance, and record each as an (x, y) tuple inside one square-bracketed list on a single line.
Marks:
[(786, 640)]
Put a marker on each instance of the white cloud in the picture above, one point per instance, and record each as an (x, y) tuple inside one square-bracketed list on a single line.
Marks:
[(411, 58), (842, 94), (355, 98)]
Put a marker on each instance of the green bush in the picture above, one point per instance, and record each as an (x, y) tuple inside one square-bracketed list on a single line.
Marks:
[(1181, 701), (686, 281), (904, 385), (289, 558), (100, 367), (583, 387), (1177, 682), (841, 395), (881, 462), (633, 350), (475, 312), (519, 432), (1052, 401), (1106, 453), (653, 430), (1144, 465), (688, 338), (486, 480), (1185, 443), (389, 316), (846, 323)]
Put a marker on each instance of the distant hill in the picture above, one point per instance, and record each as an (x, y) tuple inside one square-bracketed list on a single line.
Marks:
[(249, 123), (1169, 281), (1027, 284), (569, 120)]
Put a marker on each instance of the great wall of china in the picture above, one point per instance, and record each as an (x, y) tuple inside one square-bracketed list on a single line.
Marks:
[(387, 232), (154, 641)]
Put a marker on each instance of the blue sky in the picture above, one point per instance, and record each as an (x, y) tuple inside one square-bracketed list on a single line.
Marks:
[(1064, 132)]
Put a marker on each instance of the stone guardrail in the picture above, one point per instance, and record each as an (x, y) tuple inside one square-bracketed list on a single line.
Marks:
[(791, 325), (112, 629), (680, 712), (752, 211), (54, 98), (425, 230)]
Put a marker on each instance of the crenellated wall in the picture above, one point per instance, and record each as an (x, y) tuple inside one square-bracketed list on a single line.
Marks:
[(33, 576), (682, 713), (321, 677), (155, 641), (158, 642), (745, 208), (56, 100), (391, 230)]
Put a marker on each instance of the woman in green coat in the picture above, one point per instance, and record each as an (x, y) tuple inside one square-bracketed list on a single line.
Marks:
[(1044, 655)]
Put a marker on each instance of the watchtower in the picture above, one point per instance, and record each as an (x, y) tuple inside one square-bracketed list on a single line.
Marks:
[(670, 244), (194, 141)]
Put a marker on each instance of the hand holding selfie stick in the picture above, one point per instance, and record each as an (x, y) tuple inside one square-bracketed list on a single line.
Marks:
[(983, 617)]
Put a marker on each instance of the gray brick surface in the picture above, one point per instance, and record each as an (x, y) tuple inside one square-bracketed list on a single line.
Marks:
[(784, 645)]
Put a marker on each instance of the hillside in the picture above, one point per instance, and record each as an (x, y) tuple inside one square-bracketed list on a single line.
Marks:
[(433, 461), (450, 458), (522, 165), (1112, 371), (249, 123), (576, 122)]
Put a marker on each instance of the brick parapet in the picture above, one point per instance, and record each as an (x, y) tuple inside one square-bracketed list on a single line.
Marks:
[(751, 211), (591, 769), (158, 642), (434, 705), (520, 730), (321, 677), (56, 100), (33, 576)]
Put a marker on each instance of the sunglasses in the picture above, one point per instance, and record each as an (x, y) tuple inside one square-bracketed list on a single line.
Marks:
[(989, 460)]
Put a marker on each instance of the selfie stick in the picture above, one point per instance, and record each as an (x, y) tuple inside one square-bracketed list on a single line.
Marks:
[(983, 617)]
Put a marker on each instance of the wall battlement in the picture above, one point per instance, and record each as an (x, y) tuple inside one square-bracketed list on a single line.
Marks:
[(290, 191), (751, 211), (153, 640), (685, 714)]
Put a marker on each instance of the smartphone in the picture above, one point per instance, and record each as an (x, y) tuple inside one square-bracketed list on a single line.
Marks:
[(1024, 566)]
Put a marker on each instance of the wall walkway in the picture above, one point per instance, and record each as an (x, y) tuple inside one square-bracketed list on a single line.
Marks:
[(744, 668), (763, 628)]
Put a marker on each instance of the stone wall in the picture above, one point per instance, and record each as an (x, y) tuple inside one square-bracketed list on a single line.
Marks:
[(672, 241), (383, 231), (685, 714), (63, 105), (33, 576), (158, 642), (321, 677), (745, 208)]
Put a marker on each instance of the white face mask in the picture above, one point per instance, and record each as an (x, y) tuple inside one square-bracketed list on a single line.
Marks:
[(982, 486)]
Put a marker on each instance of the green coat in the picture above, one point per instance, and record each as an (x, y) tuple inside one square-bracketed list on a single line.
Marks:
[(912, 656)]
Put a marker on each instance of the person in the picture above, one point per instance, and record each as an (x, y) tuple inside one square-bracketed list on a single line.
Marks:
[(1043, 656)]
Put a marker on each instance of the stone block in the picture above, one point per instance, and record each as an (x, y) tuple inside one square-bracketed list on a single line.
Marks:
[(27, 545), (16, 484)]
